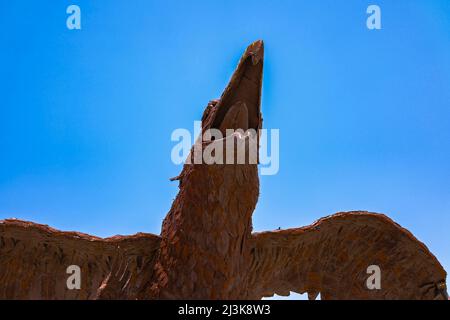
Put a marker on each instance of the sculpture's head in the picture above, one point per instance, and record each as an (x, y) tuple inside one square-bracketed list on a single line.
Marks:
[(239, 107), (234, 120)]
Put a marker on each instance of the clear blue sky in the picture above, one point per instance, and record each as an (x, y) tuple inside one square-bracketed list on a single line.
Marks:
[(86, 116)]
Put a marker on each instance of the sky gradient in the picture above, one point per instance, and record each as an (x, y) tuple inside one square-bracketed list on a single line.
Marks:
[(364, 115)]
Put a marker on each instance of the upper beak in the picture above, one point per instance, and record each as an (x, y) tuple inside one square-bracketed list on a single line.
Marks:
[(243, 94)]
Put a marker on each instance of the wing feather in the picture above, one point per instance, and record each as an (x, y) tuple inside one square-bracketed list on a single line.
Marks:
[(331, 257), (34, 259)]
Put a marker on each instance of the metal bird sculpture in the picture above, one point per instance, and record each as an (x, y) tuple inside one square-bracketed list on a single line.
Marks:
[(207, 250)]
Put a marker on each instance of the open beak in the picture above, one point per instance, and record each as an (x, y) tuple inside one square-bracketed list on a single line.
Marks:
[(240, 104)]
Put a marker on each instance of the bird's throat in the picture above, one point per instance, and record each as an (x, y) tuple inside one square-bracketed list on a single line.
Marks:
[(205, 235)]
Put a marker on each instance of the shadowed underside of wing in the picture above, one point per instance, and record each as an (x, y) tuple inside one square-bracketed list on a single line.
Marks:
[(331, 257), (34, 259)]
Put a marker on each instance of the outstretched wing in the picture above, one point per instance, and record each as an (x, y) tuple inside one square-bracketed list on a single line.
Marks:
[(34, 261), (332, 256)]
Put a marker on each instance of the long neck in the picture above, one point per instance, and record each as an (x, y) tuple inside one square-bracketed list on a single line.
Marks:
[(205, 233)]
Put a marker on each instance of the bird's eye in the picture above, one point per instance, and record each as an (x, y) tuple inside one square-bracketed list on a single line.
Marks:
[(208, 109)]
